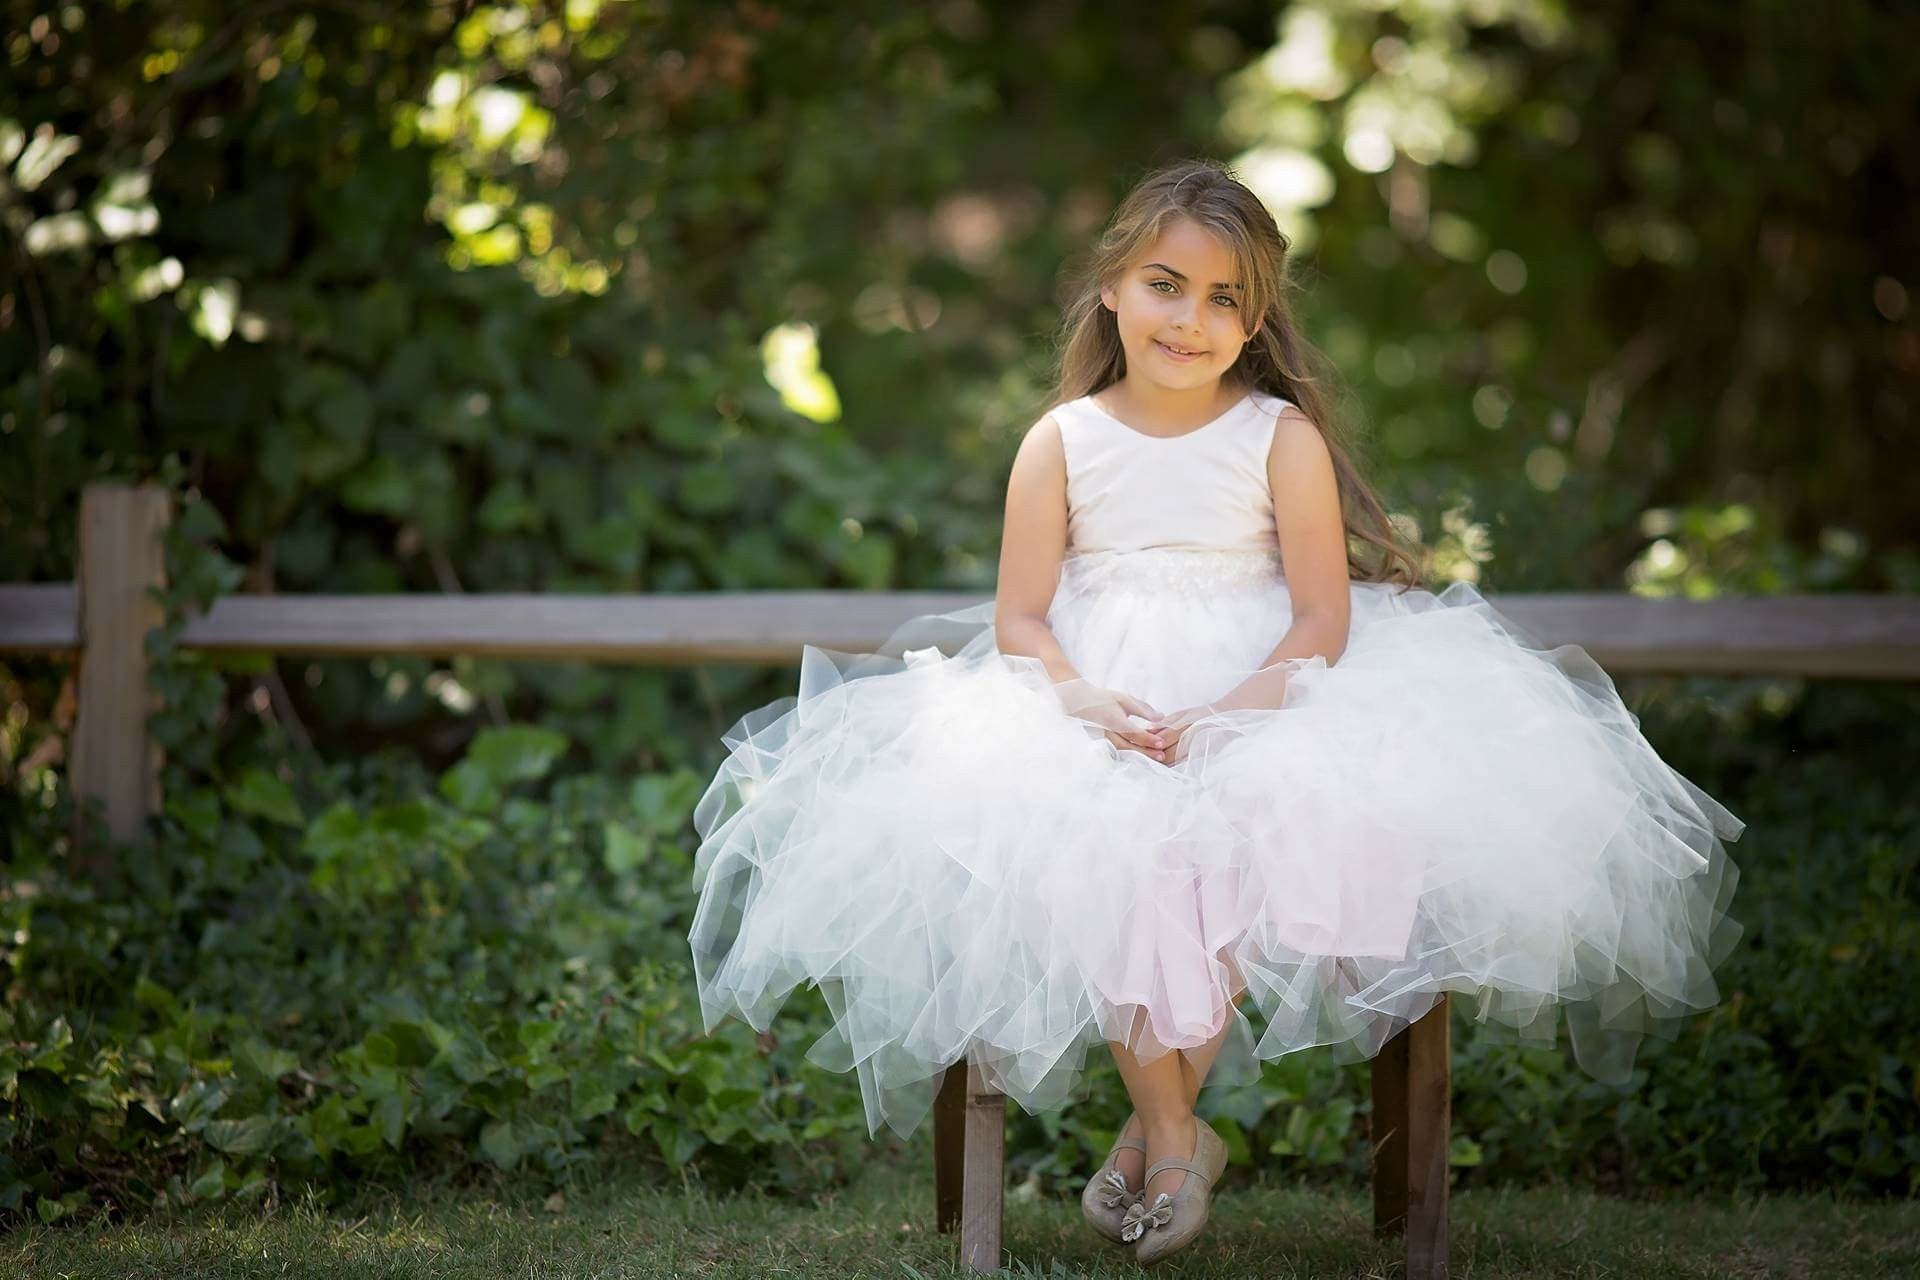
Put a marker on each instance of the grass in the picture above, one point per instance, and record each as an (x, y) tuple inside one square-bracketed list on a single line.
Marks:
[(883, 1227)]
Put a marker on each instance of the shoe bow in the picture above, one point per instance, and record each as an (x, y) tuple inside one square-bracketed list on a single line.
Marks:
[(1139, 1218), (1113, 1191)]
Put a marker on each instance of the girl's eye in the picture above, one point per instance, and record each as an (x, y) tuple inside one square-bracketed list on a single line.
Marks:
[(1216, 297)]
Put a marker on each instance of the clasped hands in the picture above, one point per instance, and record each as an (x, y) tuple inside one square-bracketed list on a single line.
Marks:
[(1162, 737)]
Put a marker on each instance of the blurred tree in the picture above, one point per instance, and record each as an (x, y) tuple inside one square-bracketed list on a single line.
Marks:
[(1626, 257)]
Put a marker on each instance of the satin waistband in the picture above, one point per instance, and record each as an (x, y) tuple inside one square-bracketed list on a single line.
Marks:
[(1174, 569)]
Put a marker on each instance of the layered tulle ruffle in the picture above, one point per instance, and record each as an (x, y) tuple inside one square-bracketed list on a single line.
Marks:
[(966, 870)]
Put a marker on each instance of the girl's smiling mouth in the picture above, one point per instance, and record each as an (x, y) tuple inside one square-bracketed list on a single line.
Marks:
[(1175, 353)]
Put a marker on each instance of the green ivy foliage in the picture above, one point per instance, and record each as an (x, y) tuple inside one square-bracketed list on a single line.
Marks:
[(388, 984)]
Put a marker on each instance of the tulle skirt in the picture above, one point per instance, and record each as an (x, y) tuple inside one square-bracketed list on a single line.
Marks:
[(968, 872)]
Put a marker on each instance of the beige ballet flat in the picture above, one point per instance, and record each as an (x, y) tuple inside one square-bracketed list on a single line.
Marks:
[(1107, 1196), (1171, 1222)]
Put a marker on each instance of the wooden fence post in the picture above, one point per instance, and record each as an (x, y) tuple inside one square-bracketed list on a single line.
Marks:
[(113, 757)]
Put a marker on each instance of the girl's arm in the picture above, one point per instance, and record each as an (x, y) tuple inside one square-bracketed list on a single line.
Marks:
[(1032, 544), (1313, 552)]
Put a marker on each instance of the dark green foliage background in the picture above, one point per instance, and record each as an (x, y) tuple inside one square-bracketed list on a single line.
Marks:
[(402, 914)]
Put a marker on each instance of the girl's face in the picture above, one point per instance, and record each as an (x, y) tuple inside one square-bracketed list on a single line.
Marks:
[(1180, 296)]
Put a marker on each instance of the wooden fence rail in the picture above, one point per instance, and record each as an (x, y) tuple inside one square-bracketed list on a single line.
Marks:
[(1860, 636), (102, 620)]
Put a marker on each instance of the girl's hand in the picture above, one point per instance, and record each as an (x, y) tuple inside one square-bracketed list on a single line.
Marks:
[(1114, 712), (1173, 729), (1264, 690)]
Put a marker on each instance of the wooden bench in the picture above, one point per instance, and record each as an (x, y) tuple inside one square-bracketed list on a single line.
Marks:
[(1412, 1122)]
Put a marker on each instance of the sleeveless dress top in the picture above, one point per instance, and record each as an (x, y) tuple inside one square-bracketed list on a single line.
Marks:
[(1206, 489), (965, 871)]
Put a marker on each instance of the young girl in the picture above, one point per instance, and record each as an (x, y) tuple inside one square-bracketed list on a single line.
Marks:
[(1210, 740)]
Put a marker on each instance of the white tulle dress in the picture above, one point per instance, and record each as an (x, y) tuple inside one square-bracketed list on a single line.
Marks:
[(967, 871)]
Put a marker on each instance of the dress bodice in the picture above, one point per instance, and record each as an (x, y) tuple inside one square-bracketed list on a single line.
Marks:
[(1205, 489)]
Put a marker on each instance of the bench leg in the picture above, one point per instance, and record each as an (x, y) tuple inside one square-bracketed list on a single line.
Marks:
[(1412, 1123), (969, 1164), (949, 1145)]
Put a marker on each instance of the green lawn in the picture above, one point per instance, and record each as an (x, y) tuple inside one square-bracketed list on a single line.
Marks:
[(883, 1227)]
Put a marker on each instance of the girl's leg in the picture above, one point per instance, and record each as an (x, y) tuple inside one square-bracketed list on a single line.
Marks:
[(1162, 1113), (1195, 1063), (1164, 1092)]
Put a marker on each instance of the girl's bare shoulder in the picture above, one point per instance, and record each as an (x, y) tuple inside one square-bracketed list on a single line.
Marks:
[(1293, 431), (1042, 442)]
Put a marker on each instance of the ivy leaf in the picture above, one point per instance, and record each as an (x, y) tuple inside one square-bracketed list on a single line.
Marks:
[(507, 509), (380, 1049), (708, 488), (390, 1114), (346, 411), (624, 852), (200, 521), (593, 1095), (1464, 1152), (869, 562), (498, 1142), (264, 1060), (210, 1182), (247, 1136), (382, 486), (267, 796), (194, 1106), (538, 1037), (468, 787), (664, 801), (515, 753), (152, 995)]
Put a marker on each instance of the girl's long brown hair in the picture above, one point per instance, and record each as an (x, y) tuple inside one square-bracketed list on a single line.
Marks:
[(1277, 360)]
